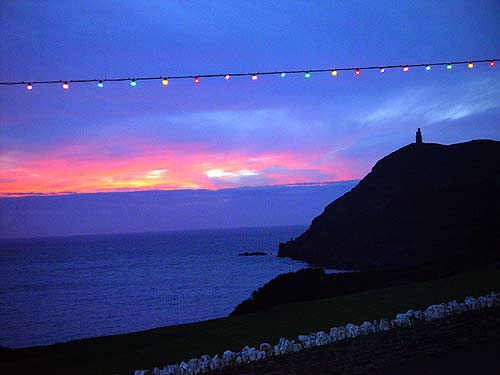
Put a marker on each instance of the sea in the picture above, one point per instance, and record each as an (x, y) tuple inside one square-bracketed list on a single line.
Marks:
[(64, 288)]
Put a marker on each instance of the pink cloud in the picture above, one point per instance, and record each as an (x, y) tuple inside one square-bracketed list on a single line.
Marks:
[(145, 164)]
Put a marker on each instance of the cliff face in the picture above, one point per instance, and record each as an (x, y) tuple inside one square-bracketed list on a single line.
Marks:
[(421, 203)]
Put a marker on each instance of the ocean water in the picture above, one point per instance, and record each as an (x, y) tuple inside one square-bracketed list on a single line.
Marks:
[(64, 288)]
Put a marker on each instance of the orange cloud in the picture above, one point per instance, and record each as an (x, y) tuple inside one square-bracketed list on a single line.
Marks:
[(148, 164)]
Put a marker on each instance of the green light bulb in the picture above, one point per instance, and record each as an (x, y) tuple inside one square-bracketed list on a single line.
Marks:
[(307, 75)]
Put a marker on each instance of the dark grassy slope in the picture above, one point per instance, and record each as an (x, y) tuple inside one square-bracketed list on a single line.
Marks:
[(122, 354), (419, 204), (313, 283)]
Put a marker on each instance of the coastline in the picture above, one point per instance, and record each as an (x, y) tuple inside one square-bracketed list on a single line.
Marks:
[(122, 354)]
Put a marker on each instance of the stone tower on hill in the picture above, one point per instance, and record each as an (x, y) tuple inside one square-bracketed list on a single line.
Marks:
[(418, 140)]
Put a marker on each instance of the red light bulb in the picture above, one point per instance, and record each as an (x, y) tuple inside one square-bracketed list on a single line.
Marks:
[(65, 85), (492, 63), (405, 69), (196, 80), (357, 72)]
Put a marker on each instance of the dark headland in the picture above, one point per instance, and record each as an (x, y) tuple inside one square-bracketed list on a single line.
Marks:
[(421, 204)]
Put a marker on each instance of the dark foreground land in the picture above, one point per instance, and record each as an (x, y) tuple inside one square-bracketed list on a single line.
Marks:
[(467, 343), (122, 354)]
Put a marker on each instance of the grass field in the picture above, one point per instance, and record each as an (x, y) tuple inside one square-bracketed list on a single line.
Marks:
[(121, 354)]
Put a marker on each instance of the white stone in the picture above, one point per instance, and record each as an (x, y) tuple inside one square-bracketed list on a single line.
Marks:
[(267, 348), (366, 328), (245, 354), (205, 363), (238, 359), (482, 302), (183, 367), (384, 325), (194, 366), (452, 308), (215, 362), (304, 340), (402, 320), (312, 339), (376, 326), (419, 315), (322, 338), (228, 358), (170, 370), (352, 330), (471, 303), (285, 346), (252, 355), (434, 312), (494, 298), (260, 354)]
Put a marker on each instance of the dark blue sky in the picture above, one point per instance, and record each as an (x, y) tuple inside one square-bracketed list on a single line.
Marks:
[(222, 134), (149, 211)]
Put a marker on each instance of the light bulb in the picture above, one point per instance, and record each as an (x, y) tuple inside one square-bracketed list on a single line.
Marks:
[(133, 83), (470, 65), (357, 72), (227, 77), (254, 77), (100, 84), (405, 68), (307, 75), (334, 73), (29, 87), (428, 67), (283, 75), (65, 85), (382, 70), (196, 80), (449, 66), (492, 63), (164, 82)]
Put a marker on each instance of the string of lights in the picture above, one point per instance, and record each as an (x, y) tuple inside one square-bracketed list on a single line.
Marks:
[(254, 76)]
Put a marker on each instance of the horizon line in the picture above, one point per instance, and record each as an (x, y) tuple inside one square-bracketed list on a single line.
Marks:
[(7, 195)]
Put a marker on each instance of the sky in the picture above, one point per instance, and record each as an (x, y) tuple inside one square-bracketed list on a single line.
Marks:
[(231, 134), (172, 210)]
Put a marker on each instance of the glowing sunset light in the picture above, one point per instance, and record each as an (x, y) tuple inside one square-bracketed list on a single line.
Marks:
[(220, 173), (84, 169)]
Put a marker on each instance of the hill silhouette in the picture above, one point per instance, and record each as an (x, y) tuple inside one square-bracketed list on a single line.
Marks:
[(422, 203)]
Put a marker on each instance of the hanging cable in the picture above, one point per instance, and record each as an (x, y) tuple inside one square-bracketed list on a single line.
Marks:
[(283, 73)]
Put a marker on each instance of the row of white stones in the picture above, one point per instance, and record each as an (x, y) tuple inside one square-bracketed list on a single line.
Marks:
[(247, 355)]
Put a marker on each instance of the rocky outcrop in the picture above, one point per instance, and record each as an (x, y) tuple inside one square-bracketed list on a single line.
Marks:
[(422, 203)]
